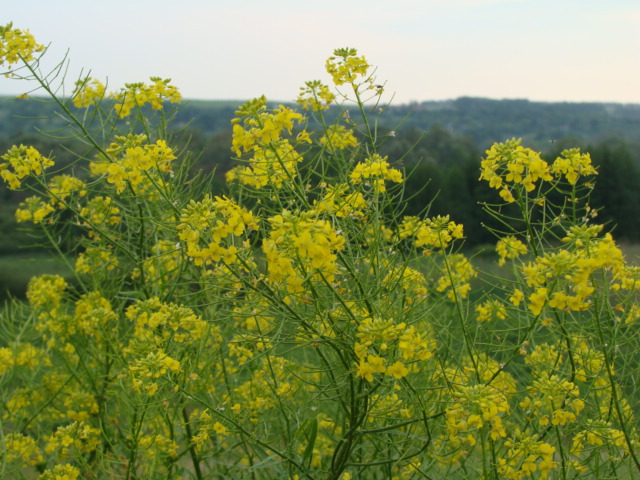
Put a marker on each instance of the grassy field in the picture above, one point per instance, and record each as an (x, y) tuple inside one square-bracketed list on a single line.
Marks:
[(16, 270)]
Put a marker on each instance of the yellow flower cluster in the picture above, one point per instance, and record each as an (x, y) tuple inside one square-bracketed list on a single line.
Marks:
[(543, 357), (254, 324), (476, 406), (380, 338), (301, 246), (46, 291), (145, 371), (564, 279), (95, 259), (136, 95), (208, 429), (17, 45), (383, 406), (61, 187), (490, 310), (572, 164), (338, 137), (154, 447), (76, 436), (509, 163), (552, 400), (590, 364), (20, 162), (431, 233), (599, 435), (410, 280), (135, 164), (163, 265), (456, 277), (99, 212), (340, 201), (374, 171), (510, 247), (61, 472), (88, 92), (216, 224), (33, 209), (94, 315), (21, 449), (315, 96), (261, 133), (527, 455), (22, 355), (157, 323), (271, 383), (345, 66)]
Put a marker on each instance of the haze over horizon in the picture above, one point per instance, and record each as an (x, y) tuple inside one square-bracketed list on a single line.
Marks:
[(550, 51)]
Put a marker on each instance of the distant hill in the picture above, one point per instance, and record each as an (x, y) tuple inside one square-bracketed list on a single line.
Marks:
[(537, 123), (483, 120)]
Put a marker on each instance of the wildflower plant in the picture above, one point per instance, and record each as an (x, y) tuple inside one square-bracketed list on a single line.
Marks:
[(298, 325)]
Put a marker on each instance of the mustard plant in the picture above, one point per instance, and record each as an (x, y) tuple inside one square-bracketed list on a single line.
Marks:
[(300, 326)]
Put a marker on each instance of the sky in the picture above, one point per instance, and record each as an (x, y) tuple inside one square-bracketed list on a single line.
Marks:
[(541, 50)]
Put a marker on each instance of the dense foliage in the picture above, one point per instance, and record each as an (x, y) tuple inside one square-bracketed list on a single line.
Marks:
[(305, 326), (445, 158)]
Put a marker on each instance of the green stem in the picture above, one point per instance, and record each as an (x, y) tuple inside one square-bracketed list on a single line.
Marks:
[(192, 448)]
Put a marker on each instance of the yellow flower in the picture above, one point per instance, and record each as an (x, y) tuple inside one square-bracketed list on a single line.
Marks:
[(509, 165), (315, 96), (46, 290), (398, 370), (301, 243), (572, 165), (346, 67), (510, 247), (366, 368), (20, 162), (17, 45), (214, 223), (62, 187), (455, 281), (61, 472), (33, 209), (337, 138), (375, 169), (490, 310), (537, 300), (136, 95), (88, 92), (517, 297), (94, 259), (220, 429), (22, 449), (135, 163)]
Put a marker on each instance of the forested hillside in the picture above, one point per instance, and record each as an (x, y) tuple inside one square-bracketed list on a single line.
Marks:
[(439, 144), (483, 120)]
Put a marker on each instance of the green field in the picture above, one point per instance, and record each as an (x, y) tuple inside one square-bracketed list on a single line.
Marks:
[(17, 270)]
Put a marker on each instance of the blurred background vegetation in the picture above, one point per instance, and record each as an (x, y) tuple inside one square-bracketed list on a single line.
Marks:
[(439, 143)]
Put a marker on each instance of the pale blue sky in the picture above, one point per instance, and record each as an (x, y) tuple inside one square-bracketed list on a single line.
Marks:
[(549, 50)]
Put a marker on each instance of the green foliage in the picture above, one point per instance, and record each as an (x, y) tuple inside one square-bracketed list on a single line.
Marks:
[(304, 326)]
